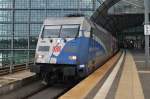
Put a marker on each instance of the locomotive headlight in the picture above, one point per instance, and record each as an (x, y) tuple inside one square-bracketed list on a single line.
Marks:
[(40, 56), (58, 41), (73, 57), (81, 66)]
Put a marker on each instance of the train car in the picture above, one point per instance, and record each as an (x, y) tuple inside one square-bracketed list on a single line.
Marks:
[(71, 47)]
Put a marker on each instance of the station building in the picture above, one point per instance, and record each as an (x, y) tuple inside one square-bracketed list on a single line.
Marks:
[(21, 20)]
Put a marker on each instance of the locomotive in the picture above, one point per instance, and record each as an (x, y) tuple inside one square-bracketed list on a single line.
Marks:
[(71, 47)]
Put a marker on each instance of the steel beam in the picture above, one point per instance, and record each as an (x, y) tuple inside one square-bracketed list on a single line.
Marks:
[(94, 5), (79, 6), (29, 20), (12, 40), (147, 10), (52, 9)]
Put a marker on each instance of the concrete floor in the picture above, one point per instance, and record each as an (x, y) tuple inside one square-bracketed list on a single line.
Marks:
[(144, 71)]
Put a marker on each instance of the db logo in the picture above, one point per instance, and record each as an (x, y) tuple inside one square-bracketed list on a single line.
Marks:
[(56, 48)]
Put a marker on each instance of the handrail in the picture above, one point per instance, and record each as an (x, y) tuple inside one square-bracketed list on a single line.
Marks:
[(16, 68)]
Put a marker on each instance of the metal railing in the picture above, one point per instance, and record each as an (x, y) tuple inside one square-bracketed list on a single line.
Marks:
[(14, 64)]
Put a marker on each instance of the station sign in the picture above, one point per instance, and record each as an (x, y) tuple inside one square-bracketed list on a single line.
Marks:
[(147, 29)]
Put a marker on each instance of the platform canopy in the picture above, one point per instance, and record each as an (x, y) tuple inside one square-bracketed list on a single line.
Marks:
[(115, 20)]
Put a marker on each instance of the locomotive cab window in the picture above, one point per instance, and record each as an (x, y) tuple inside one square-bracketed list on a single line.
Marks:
[(69, 31), (64, 31), (51, 31)]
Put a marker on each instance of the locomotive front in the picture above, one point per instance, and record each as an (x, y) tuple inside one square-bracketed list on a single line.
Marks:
[(58, 45)]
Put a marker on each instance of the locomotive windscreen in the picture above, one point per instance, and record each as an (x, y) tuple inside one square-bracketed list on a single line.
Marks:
[(65, 31), (69, 31), (51, 31)]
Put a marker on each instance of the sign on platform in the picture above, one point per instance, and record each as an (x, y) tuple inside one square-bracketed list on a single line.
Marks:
[(147, 29)]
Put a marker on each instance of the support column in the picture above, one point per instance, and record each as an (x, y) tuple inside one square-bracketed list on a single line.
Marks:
[(94, 5), (12, 40), (146, 4), (29, 21), (79, 6)]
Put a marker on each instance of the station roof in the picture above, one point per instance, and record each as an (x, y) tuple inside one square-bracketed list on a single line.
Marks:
[(113, 22)]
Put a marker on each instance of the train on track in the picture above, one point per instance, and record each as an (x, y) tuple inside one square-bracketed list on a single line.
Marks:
[(71, 47)]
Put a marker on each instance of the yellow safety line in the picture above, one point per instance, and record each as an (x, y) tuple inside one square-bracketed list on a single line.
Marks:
[(81, 90), (129, 85), (103, 91)]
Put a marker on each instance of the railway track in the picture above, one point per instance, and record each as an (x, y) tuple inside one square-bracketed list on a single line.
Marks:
[(36, 90), (51, 92)]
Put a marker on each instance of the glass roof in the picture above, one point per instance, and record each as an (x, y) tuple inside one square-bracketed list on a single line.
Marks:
[(118, 15), (128, 6)]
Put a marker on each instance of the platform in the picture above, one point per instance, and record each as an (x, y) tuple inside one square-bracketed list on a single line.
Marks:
[(124, 81), (129, 86), (16, 80), (143, 71)]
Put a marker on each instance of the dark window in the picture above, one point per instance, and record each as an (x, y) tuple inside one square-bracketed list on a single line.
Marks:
[(69, 31), (51, 31), (43, 48), (65, 31)]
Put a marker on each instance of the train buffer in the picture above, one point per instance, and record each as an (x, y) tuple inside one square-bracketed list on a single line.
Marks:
[(117, 79)]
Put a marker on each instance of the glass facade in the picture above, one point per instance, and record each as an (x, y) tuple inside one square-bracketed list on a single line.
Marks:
[(21, 20)]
